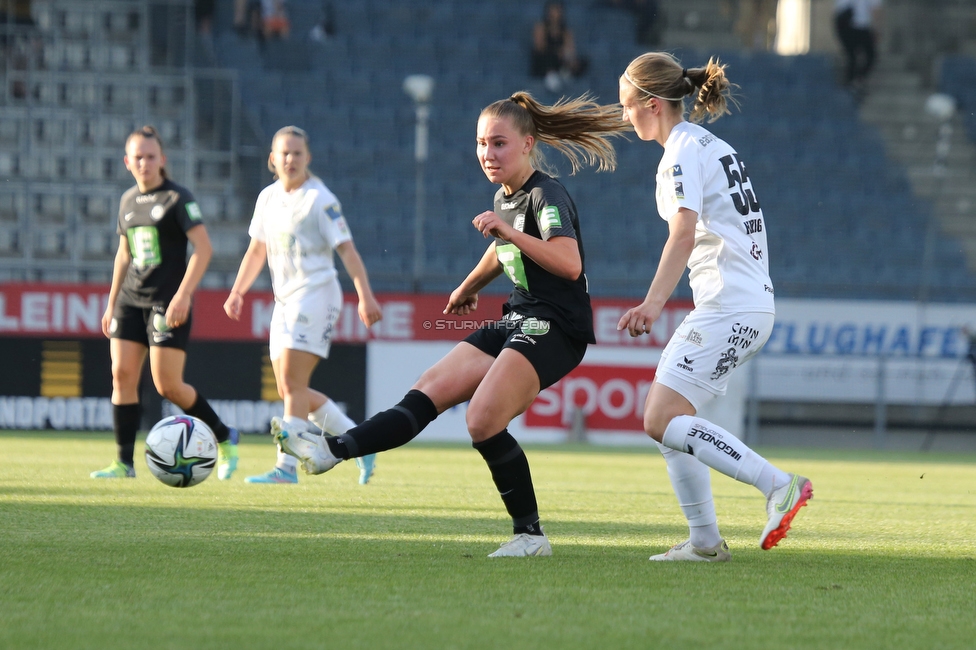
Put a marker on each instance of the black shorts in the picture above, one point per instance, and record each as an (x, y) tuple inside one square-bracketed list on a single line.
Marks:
[(551, 351), (147, 325)]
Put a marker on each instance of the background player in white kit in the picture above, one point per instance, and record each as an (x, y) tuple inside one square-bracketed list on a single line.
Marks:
[(716, 229), (297, 223)]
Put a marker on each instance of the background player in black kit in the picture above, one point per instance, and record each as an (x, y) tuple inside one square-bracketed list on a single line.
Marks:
[(547, 321), (149, 304)]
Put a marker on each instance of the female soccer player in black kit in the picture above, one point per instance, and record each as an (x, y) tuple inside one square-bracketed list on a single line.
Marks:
[(149, 304), (547, 320)]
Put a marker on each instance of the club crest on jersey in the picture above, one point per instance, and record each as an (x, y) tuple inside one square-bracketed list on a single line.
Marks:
[(519, 223), (157, 212)]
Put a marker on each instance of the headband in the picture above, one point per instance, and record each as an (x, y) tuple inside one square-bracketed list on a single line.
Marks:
[(648, 92)]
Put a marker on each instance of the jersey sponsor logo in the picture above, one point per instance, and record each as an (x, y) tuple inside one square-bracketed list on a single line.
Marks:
[(686, 365), (679, 190), (509, 205), (193, 211), (743, 336), (146, 198), (728, 361), (519, 223), (157, 212), (675, 170), (510, 257), (144, 246), (707, 140), (549, 218), (522, 338), (535, 326), (714, 438), (129, 215)]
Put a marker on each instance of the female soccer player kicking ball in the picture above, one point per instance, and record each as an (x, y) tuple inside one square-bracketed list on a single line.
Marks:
[(547, 321)]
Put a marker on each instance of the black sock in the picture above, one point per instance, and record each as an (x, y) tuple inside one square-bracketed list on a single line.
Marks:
[(125, 421), (510, 471), (202, 409), (392, 428)]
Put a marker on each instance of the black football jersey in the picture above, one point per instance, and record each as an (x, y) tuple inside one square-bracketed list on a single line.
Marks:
[(155, 225), (543, 208)]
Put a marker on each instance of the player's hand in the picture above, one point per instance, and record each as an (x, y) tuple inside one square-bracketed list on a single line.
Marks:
[(107, 321), (490, 224), (370, 311), (178, 311), (234, 305), (461, 304), (638, 320)]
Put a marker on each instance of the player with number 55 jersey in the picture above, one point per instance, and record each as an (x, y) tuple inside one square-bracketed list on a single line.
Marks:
[(717, 229)]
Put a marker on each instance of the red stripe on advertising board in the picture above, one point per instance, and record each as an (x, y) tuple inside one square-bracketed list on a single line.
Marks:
[(75, 311)]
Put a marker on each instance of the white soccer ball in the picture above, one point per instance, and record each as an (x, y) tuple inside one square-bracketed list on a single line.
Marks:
[(181, 451)]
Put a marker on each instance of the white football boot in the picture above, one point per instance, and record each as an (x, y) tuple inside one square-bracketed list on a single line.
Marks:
[(685, 552), (525, 545)]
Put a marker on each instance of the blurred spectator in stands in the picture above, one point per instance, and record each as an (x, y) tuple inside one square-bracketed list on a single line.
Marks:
[(203, 11), (554, 57), (17, 50), (274, 14), (647, 18), (756, 23), (247, 17), (857, 23), (326, 27)]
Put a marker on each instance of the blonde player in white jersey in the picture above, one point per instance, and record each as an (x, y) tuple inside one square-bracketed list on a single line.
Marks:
[(716, 229), (297, 224)]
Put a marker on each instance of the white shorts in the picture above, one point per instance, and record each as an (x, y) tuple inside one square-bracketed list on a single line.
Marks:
[(306, 324), (706, 348)]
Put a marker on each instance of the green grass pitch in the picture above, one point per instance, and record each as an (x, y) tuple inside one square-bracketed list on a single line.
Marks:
[(883, 557)]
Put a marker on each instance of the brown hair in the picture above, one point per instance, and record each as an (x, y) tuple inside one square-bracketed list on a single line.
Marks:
[(289, 130), (578, 128), (148, 132), (660, 75)]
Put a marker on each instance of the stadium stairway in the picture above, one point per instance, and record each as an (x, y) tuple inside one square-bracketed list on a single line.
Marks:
[(947, 178)]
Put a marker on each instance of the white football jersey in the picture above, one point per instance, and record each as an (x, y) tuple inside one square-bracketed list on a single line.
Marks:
[(300, 229), (729, 265)]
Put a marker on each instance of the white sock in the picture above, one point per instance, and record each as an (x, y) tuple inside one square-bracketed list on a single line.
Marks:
[(286, 462), (723, 452), (692, 484), (330, 418)]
